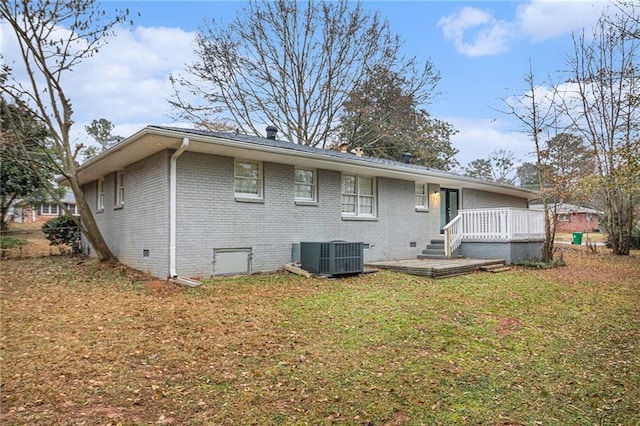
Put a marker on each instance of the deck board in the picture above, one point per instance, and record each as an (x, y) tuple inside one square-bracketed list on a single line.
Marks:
[(435, 268)]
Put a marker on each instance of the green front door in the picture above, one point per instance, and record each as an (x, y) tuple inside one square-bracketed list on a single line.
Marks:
[(448, 206)]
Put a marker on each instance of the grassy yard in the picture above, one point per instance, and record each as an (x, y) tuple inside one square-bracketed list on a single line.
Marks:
[(592, 237), (84, 343)]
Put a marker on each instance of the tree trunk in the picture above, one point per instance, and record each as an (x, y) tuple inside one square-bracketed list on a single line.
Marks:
[(6, 204), (547, 248), (88, 225)]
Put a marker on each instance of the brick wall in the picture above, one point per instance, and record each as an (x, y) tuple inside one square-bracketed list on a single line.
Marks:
[(578, 222), (138, 231), (209, 217)]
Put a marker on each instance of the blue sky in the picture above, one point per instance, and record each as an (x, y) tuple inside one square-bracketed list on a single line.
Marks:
[(482, 50)]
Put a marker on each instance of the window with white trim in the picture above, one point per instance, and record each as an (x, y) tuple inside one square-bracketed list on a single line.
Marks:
[(49, 209), (358, 196), (305, 185), (119, 188), (422, 196), (73, 208), (100, 198), (248, 178)]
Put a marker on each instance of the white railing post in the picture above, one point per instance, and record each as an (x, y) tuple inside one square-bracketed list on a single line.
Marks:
[(447, 242), (503, 224)]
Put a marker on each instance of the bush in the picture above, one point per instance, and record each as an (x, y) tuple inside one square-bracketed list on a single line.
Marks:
[(8, 242), (62, 230)]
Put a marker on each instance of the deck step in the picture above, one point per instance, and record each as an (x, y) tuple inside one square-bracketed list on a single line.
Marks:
[(434, 250), (498, 267), (435, 247), (432, 256)]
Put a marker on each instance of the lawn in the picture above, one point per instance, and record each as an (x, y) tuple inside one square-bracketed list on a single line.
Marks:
[(84, 343)]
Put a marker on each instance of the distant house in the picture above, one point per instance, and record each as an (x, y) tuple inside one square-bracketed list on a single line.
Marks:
[(572, 218), (178, 202), (24, 211)]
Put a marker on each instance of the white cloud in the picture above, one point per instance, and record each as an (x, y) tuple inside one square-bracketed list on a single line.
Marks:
[(477, 32), (477, 138), (129, 78), (545, 19), (127, 82), (490, 37)]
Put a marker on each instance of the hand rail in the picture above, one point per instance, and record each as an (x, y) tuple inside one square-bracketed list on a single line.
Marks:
[(501, 224), (452, 235)]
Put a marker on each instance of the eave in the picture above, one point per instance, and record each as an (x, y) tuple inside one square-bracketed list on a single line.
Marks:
[(151, 140)]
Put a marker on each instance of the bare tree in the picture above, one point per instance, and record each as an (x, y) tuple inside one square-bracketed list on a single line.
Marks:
[(53, 37), (569, 164), (290, 64), (603, 103), (537, 115)]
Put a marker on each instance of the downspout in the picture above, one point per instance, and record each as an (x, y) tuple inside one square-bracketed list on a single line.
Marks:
[(173, 220)]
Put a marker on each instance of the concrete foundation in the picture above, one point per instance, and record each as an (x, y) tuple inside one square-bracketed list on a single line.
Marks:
[(510, 251)]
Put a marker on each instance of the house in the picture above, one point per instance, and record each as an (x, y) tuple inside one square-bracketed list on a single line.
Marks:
[(178, 202), (572, 218), (23, 211)]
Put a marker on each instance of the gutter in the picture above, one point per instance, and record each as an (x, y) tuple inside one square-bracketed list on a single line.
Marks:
[(173, 220)]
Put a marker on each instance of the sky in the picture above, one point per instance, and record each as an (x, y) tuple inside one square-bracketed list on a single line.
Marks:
[(481, 49)]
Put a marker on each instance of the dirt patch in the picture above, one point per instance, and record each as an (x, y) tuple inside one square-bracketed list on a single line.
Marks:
[(507, 325), (161, 287)]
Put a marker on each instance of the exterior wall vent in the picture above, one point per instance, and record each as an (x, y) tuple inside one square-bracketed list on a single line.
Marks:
[(232, 261), (332, 257)]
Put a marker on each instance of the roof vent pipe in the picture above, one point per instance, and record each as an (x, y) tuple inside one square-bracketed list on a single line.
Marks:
[(406, 157), (272, 131)]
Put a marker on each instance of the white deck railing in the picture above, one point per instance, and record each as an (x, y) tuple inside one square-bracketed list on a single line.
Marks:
[(503, 224)]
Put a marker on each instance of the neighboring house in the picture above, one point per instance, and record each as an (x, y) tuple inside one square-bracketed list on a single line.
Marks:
[(571, 218), (178, 202), (24, 212)]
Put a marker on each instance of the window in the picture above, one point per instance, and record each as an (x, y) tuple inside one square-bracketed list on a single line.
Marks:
[(358, 196), (305, 185), (49, 209), (100, 200), (564, 218), (119, 188), (589, 217), (422, 196), (248, 178)]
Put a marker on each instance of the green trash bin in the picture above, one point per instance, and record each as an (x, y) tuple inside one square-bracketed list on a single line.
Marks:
[(577, 238)]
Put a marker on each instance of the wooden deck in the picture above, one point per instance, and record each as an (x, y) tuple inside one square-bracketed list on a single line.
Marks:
[(436, 268)]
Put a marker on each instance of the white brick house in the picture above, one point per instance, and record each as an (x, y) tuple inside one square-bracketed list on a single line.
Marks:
[(177, 202)]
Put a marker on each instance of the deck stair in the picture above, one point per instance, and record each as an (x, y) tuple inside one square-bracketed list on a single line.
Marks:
[(434, 250), (497, 267)]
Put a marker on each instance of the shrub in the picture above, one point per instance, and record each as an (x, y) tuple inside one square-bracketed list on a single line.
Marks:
[(61, 230)]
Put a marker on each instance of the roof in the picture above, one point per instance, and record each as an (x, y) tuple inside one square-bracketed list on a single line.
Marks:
[(564, 208), (153, 139)]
